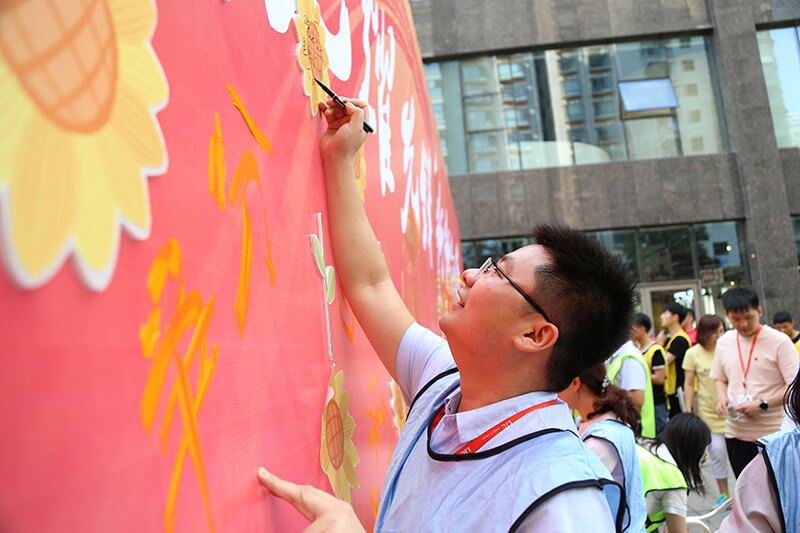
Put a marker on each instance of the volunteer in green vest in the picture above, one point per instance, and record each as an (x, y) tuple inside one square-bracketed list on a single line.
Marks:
[(628, 370), (670, 466), (675, 346), (655, 357)]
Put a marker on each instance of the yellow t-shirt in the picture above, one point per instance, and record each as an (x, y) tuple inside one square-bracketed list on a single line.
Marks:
[(699, 361)]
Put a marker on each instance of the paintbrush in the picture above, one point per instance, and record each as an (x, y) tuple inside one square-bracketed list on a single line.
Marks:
[(339, 101)]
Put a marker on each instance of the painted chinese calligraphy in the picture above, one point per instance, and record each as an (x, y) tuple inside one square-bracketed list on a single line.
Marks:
[(162, 347), (246, 172)]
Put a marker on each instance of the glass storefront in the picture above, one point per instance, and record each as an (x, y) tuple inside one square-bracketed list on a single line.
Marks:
[(780, 60), (693, 264), (593, 104)]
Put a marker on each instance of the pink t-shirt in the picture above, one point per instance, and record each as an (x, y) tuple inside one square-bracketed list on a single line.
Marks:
[(755, 503), (772, 367)]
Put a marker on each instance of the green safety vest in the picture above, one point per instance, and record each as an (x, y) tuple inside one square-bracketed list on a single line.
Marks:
[(647, 410), (658, 474)]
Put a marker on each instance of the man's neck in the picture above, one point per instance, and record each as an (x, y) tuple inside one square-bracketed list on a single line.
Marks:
[(645, 344), (477, 393), (674, 328)]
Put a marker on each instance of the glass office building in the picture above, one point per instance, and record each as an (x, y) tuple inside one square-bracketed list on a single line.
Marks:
[(577, 106), (670, 133)]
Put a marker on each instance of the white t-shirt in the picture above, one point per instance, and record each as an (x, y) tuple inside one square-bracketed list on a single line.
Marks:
[(632, 375)]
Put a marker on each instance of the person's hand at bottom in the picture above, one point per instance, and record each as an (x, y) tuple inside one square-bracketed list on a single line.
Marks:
[(325, 512)]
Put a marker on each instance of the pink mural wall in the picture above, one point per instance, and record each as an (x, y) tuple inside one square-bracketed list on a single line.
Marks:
[(169, 309)]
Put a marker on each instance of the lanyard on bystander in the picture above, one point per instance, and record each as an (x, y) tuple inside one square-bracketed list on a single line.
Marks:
[(746, 369)]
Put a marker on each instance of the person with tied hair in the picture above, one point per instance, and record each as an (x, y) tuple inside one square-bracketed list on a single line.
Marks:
[(670, 468), (487, 445), (766, 497), (697, 366), (608, 419)]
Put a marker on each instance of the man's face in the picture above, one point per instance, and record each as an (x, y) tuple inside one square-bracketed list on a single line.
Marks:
[(785, 327), (488, 309), (745, 321), (668, 318), (637, 333)]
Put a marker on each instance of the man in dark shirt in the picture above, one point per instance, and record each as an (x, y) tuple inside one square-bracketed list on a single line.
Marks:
[(676, 345)]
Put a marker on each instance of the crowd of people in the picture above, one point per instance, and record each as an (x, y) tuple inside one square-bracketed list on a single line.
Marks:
[(548, 406)]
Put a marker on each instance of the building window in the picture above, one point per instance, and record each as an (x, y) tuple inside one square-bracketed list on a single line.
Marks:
[(658, 254), (666, 253), (780, 60), (594, 104)]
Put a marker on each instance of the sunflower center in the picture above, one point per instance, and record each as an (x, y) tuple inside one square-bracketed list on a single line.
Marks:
[(64, 54), (315, 51), (334, 434)]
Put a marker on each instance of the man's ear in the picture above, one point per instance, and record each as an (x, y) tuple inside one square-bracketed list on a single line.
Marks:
[(541, 336)]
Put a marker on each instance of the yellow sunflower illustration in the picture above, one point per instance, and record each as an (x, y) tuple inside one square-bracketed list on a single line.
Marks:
[(80, 86), (337, 452), (311, 52)]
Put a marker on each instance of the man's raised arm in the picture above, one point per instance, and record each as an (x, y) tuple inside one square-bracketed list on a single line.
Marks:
[(360, 264)]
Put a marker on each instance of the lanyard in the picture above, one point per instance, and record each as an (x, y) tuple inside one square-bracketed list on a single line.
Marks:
[(745, 370), (477, 443)]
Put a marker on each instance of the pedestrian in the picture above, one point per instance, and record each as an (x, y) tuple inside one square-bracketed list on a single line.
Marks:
[(697, 366), (766, 498), (753, 366), (608, 420), (670, 468)]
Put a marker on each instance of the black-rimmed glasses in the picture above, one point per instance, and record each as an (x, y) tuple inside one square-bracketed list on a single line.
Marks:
[(491, 263)]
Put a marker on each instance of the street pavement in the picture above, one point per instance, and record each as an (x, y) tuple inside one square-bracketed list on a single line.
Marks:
[(702, 504)]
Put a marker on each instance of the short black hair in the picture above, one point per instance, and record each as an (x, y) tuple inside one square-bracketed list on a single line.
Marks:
[(589, 295), (676, 309), (641, 319), (740, 299), (782, 317)]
